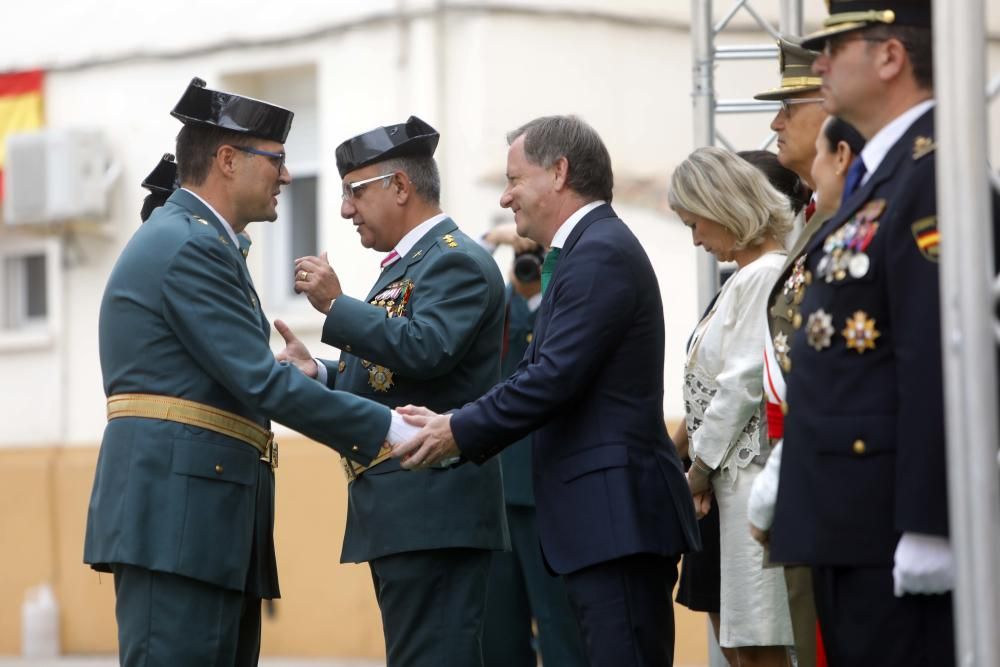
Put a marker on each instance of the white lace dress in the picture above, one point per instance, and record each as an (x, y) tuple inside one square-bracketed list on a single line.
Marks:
[(726, 424)]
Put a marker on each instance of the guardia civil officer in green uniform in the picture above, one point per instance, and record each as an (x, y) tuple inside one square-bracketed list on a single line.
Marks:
[(182, 508), (429, 331)]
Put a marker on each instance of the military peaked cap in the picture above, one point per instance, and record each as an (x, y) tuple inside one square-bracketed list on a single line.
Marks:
[(795, 67), (847, 15)]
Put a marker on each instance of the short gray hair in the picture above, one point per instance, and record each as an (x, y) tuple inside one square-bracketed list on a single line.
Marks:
[(549, 138), (423, 174), (721, 186)]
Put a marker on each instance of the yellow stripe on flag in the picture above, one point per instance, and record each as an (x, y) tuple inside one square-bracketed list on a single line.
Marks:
[(18, 113), (20, 108), (929, 239)]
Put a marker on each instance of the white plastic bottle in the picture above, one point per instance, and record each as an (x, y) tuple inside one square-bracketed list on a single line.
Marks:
[(40, 623)]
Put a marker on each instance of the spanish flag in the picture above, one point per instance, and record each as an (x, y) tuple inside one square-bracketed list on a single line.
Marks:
[(20, 108)]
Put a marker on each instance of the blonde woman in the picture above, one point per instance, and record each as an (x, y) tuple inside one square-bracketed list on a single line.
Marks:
[(737, 216)]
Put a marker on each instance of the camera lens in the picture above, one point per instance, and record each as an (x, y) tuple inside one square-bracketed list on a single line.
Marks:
[(528, 267)]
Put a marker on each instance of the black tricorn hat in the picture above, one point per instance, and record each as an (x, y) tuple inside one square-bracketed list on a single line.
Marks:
[(414, 138), (232, 112), (847, 15), (163, 178), (161, 183)]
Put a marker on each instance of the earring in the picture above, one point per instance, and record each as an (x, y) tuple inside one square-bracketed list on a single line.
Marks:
[(838, 172)]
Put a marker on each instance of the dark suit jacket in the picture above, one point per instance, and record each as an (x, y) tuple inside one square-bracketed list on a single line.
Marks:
[(180, 317), (865, 453), (608, 481), (441, 347)]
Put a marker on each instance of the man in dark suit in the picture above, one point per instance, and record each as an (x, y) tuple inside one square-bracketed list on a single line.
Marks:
[(521, 589), (182, 508), (614, 510), (429, 331), (862, 495)]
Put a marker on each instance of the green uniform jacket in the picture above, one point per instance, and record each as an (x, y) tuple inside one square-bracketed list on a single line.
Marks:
[(515, 461), (429, 333), (180, 317)]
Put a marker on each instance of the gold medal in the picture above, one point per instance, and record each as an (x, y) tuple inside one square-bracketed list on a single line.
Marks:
[(380, 378), (860, 332)]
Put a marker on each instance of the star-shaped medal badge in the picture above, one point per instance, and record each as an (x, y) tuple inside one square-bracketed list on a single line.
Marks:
[(819, 330), (860, 332), (781, 350)]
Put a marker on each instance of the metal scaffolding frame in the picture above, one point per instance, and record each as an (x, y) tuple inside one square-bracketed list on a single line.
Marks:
[(705, 54), (969, 330)]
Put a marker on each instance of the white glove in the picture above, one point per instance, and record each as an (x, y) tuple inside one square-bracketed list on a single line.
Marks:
[(923, 564), (764, 491)]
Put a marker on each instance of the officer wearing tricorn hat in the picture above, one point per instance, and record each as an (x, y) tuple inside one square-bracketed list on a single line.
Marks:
[(429, 332), (182, 508), (161, 183), (862, 495)]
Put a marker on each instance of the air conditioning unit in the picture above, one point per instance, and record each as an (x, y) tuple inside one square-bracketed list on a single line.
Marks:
[(56, 176)]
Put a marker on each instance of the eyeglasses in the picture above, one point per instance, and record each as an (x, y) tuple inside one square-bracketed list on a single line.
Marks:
[(277, 159), (836, 43), (353, 190), (786, 105)]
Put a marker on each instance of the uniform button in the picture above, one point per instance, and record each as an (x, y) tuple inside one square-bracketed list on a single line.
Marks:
[(797, 320), (218, 468), (341, 366), (858, 447), (529, 337), (347, 348), (354, 448), (784, 408)]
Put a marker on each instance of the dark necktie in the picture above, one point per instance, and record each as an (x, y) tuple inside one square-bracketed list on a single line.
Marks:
[(855, 173), (549, 266)]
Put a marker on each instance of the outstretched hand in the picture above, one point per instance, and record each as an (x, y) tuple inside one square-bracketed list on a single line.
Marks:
[(433, 444), (295, 351)]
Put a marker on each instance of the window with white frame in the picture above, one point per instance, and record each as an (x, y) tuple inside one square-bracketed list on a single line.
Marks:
[(27, 282), (296, 231)]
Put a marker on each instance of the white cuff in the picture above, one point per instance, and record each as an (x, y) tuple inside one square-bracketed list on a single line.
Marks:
[(399, 430), (321, 373)]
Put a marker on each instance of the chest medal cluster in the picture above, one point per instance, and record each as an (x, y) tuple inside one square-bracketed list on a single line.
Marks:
[(393, 298), (844, 254), (844, 251)]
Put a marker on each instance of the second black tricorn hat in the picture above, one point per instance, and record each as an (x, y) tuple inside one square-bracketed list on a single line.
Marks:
[(414, 138), (795, 66), (847, 15), (232, 112), (163, 178)]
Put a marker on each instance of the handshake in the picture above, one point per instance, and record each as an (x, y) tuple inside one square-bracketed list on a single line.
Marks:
[(421, 438)]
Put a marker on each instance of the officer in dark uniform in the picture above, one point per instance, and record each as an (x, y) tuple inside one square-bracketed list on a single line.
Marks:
[(862, 495), (182, 508), (520, 586), (429, 331)]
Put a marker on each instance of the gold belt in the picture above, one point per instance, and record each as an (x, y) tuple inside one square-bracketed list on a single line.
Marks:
[(353, 470), (171, 408)]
